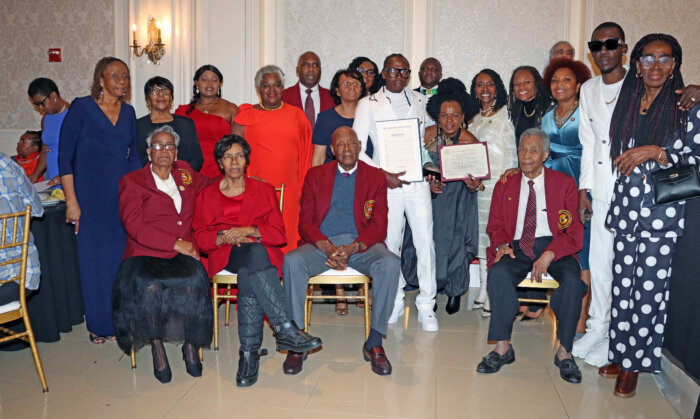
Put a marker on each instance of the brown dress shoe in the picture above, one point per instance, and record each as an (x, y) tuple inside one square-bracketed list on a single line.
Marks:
[(609, 371), (626, 384), (292, 365), (377, 357)]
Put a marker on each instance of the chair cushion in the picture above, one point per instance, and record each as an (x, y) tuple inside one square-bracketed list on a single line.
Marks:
[(225, 272), (347, 272), (546, 277), (9, 307)]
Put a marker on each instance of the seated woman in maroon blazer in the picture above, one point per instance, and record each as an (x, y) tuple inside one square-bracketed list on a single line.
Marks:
[(161, 292), (239, 225)]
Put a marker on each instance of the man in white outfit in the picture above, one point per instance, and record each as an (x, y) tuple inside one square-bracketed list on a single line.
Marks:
[(596, 105), (395, 101)]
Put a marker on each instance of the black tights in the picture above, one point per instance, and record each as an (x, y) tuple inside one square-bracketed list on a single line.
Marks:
[(252, 256)]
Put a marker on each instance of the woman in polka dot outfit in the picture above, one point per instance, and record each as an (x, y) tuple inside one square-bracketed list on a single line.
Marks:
[(648, 132)]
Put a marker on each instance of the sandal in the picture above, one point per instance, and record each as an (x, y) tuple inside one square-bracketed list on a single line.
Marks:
[(341, 311), (111, 338), (96, 339)]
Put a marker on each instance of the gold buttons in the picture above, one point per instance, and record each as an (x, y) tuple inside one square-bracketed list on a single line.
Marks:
[(179, 223)]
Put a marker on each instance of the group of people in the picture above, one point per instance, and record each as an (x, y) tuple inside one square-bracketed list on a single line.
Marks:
[(163, 203)]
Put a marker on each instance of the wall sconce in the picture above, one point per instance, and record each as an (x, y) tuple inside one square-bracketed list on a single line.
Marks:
[(155, 48)]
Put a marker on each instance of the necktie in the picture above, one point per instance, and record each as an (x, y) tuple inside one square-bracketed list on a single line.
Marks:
[(428, 92), (527, 240), (309, 108)]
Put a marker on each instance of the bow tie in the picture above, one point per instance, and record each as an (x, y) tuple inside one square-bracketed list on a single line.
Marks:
[(428, 91)]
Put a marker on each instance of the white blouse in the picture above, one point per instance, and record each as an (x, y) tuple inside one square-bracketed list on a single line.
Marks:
[(169, 187)]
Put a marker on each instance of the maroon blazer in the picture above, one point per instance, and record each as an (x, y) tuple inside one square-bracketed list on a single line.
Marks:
[(562, 212), (370, 206), (149, 216), (292, 96), (260, 208)]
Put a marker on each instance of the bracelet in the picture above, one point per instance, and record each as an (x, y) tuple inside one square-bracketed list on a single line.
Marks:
[(662, 159)]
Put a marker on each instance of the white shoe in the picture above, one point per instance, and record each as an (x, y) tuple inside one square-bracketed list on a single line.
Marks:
[(398, 311), (586, 343), (428, 320), (598, 355)]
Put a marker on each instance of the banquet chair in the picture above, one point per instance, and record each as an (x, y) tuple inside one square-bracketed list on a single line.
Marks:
[(229, 279), (547, 283), (344, 277), (18, 309)]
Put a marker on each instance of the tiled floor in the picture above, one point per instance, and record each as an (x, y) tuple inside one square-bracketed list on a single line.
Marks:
[(434, 377)]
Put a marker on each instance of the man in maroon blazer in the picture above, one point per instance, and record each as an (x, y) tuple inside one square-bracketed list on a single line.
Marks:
[(307, 95), (533, 227), (343, 223)]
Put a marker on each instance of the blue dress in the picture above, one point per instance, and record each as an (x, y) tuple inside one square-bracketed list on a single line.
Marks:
[(327, 122), (51, 131), (98, 154), (565, 156)]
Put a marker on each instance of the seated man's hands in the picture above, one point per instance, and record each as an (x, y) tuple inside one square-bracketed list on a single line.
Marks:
[(503, 250), (539, 268), (186, 248), (338, 255)]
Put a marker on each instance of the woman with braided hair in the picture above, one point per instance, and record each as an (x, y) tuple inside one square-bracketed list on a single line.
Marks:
[(212, 115), (648, 132)]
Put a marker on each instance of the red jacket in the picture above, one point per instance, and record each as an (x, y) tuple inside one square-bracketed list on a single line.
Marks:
[(562, 212), (149, 216), (260, 208), (370, 206), (292, 96)]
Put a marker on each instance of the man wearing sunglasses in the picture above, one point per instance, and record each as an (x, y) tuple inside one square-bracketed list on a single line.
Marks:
[(598, 98), (396, 101), (43, 94)]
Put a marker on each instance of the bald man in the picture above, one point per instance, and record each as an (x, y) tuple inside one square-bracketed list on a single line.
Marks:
[(306, 94)]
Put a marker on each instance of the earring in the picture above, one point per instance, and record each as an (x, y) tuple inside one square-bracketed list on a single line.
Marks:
[(464, 125), (196, 90), (639, 75), (670, 77), (219, 93)]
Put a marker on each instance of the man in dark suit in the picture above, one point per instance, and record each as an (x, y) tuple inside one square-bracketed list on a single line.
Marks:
[(306, 94), (343, 223), (533, 227), (430, 74)]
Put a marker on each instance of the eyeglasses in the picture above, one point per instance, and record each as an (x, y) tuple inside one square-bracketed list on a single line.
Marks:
[(348, 83), (41, 104), (394, 72), (168, 147), (116, 76), (665, 62), (610, 44), (364, 71), (160, 91)]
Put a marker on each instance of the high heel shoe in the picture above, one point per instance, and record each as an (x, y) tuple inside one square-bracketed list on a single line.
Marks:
[(164, 375), (193, 368)]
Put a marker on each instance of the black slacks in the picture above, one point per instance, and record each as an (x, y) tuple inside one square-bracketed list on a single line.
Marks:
[(504, 277)]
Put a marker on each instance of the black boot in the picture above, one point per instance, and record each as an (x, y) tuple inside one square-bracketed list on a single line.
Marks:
[(250, 333), (268, 292), (453, 304)]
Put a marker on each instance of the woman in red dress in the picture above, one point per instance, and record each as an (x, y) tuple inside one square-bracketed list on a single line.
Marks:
[(280, 142), (211, 114)]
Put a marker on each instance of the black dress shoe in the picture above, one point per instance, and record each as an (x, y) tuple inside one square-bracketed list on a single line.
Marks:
[(291, 338), (453, 304), (377, 358), (568, 369), (248, 365), (494, 361), (193, 368), (294, 362)]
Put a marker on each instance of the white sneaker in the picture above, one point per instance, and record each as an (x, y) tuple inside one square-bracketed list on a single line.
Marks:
[(398, 311), (586, 343), (428, 320), (598, 355)]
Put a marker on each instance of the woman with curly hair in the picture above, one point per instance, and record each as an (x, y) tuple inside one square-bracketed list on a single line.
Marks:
[(528, 100), (212, 115), (370, 73), (491, 126), (648, 132), (98, 147)]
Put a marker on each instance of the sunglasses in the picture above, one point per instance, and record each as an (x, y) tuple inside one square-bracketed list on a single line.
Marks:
[(610, 44)]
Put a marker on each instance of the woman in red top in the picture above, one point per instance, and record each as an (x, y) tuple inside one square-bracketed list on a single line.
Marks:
[(162, 290), (211, 114), (238, 223)]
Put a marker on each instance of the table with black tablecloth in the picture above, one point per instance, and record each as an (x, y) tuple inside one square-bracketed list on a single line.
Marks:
[(58, 303)]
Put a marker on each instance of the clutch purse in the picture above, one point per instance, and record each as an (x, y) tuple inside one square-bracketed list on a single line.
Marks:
[(676, 184)]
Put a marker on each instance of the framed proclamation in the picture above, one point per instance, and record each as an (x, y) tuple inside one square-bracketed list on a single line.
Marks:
[(457, 161), (399, 147)]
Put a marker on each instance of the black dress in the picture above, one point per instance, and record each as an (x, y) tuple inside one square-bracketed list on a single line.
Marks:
[(189, 149)]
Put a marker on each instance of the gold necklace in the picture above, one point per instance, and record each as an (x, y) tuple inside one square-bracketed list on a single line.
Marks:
[(265, 108), (614, 98), (561, 119), (486, 111), (529, 115)]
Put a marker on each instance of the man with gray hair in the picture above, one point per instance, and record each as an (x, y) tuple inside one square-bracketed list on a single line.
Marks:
[(533, 228), (562, 49)]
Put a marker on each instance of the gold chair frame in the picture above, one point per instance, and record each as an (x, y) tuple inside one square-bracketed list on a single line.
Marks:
[(338, 279), (229, 279), (21, 312), (547, 283)]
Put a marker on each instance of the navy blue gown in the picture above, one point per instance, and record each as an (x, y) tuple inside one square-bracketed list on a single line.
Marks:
[(98, 154)]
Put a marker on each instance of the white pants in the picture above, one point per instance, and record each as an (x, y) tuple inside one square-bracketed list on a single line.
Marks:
[(600, 260), (414, 201)]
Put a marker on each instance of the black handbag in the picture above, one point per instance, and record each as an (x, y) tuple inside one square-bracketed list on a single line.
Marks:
[(676, 184)]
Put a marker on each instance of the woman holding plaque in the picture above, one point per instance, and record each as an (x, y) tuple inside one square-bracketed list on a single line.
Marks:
[(455, 213), (493, 127)]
